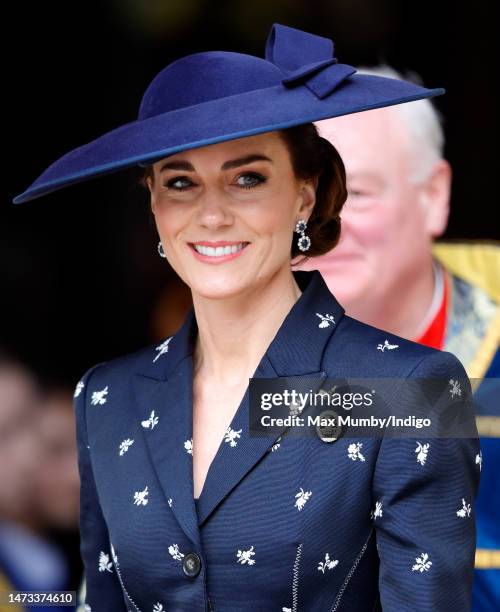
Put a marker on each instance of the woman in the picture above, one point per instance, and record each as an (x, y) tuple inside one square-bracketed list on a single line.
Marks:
[(181, 507)]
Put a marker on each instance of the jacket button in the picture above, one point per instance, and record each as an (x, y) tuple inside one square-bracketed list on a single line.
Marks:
[(330, 430), (191, 564)]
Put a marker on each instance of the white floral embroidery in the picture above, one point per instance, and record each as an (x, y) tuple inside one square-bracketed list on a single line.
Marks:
[(188, 445), (422, 450), (140, 497), (231, 435), (78, 388), (479, 460), (464, 510), (386, 345), (125, 445), (244, 556), (286, 609), (105, 564), (326, 320), (301, 498), (99, 397), (378, 510), (158, 607), (151, 422), (276, 445), (113, 554), (422, 563), (455, 388), (327, 563), (170, 501), (162, 348), (175, 552), (354, 451)]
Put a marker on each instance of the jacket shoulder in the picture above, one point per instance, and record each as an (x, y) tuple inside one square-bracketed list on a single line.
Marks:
[(134, 361), (360, 349)]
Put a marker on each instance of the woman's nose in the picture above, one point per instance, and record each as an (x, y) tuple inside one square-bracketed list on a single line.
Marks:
[(213, 209)]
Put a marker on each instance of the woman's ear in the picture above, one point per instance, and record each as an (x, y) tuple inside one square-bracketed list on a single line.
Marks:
[(150, 184), (308, 196)]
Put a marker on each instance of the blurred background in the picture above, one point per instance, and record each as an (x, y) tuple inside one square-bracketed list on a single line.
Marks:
[(82, 281)]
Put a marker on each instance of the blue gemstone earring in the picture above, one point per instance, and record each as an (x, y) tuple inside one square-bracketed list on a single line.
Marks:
[(160, 249), (304, 242)]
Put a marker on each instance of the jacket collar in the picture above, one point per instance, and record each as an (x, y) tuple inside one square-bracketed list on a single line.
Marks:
[(164, 383), (297, 348)]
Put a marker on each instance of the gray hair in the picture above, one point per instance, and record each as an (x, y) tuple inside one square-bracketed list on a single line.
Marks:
[(423, 121)]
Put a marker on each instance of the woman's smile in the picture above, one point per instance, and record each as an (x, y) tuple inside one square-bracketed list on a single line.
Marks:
[(217, 252)]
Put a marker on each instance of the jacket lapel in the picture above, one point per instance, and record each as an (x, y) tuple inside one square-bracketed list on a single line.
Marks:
[(166, 387)]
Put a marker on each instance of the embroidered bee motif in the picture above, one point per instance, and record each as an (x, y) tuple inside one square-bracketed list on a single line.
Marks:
[(78, 388), (151, 422), (162, 348), (422, 563), (479, 460), (231, 435), (244, 556), (105, 564), (354, 451), (301, 498), (141, 497), (327, 563), (456, 389), (422, 450), (99, 397), (275, 446), (113, 554), (386, 345), (125, 445), (465, 510), (175, 552), (378, 510), (326, 320)]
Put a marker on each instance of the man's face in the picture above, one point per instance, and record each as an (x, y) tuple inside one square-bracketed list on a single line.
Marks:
[(386, 222)]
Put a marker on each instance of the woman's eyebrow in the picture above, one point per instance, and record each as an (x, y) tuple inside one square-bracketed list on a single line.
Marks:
[(228, 165)]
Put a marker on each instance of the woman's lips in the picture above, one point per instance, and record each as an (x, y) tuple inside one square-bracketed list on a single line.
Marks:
[(217, 252)]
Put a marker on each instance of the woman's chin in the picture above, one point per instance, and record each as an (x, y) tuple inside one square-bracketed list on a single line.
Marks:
[(218, 288)]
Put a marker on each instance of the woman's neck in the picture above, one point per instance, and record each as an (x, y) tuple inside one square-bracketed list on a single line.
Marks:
[(234, 333)]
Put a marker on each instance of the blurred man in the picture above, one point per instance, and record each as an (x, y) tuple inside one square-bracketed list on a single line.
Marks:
[(57, 482), (386, 272), (28, 560)]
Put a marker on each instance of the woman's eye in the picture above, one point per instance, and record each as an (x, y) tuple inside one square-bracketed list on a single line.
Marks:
[(250, 179), (178, 183)]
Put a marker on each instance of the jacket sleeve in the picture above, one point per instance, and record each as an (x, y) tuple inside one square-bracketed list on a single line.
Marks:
[(424, 509), (102, 586)]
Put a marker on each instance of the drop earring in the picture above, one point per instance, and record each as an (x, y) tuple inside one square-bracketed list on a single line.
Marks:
[(304, 242), (160, 250)]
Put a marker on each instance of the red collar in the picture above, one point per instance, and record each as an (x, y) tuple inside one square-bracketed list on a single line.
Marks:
[(434, 334)]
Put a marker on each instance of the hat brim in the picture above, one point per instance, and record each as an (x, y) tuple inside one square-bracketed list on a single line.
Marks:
[(246, 114)]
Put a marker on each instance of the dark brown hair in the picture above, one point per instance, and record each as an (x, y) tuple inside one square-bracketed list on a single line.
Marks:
[(312, 156)]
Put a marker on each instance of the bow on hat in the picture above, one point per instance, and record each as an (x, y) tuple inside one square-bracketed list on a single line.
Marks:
[(306, 59)]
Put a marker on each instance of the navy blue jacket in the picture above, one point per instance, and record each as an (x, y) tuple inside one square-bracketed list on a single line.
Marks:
[(282, 523)]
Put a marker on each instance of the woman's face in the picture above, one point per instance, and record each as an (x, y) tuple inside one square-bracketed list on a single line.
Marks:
[(226, 213)]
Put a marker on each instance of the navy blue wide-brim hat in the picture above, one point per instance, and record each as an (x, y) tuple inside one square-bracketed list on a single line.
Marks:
[(214, 96)]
